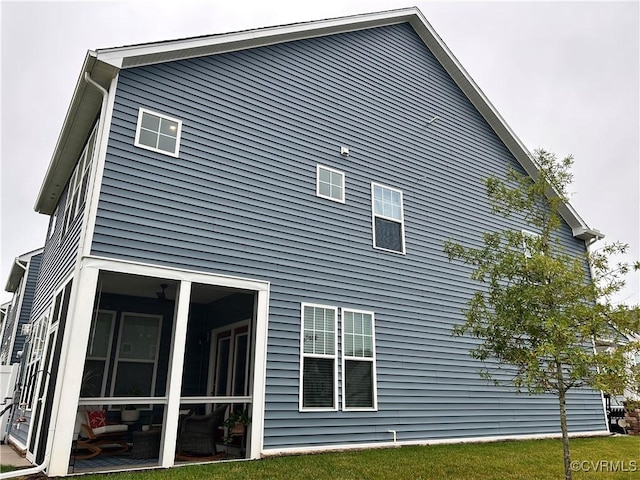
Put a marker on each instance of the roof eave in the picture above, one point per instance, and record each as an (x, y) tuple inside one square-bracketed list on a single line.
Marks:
[(81, 114), (15, 275), (18, 269), (160, 52)]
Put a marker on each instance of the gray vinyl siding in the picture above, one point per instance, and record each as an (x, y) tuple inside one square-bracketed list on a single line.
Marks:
[(6, 347), (240, 200), (58, 260), (31, 279)]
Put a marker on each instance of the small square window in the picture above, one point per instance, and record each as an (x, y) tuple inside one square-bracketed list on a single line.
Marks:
[(158, 132), (330, 184)]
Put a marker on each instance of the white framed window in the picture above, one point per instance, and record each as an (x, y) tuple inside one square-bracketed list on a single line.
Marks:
[(53, 221), (36, 344), (529, 243), (318, 357), (158, 132), (99, 347), (359, 390), (78, 183), (387, 218), (330, 183), (136, 355)]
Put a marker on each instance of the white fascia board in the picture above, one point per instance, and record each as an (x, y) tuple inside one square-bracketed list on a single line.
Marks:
[(83, 110), (148, 54), (56, 177), (455, 69), (18, 268)]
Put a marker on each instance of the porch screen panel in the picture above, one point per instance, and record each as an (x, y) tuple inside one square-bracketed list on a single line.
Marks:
[(241, 357), (137, 355), (224, 344), (98, 351)]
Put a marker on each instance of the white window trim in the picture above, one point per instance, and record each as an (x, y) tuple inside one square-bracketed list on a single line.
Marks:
[(301, 406), (117, 353), (53, 222), (106, 359), (525, 248), (374, 215), (73, 202), (37, 341), (214, 350), (137, 143), (332, 170), (372, 359)]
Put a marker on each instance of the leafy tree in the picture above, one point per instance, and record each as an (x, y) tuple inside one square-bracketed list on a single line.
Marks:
[(540, 307)]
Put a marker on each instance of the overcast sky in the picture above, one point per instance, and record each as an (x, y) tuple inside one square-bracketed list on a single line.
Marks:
[(564, 75)]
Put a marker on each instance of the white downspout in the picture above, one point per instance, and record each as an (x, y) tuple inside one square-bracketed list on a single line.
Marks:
[(21, 472)]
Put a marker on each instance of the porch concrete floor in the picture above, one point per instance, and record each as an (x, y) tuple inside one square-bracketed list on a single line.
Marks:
[(8, 456)]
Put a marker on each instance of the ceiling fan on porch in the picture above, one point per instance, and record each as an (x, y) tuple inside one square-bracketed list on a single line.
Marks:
[(162, 296)]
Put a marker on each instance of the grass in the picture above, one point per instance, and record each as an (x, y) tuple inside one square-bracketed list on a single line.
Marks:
[(521, 460)]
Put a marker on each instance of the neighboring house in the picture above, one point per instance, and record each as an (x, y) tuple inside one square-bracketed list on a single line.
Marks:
[(257, 218), (22, 280)]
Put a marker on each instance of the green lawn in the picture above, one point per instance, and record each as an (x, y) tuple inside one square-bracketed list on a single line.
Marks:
[(525, 460)]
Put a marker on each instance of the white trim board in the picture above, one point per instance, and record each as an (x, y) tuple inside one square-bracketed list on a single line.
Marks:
[(445, 441)]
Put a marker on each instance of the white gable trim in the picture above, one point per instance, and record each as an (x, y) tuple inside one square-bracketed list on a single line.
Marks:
[(105, 62)]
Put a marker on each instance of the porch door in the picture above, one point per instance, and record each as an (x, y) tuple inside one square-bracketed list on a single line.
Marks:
[(41, 402), (230, 354)]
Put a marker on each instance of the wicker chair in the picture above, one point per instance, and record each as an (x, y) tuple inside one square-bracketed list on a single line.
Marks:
[(197, 435)]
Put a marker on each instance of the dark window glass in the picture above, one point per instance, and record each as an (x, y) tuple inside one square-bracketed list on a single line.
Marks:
[(388, 234), (318, 382), (358, 384)]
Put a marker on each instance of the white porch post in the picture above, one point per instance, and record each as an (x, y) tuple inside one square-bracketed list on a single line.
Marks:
[(67, 388), (174, 383), (256, 440)]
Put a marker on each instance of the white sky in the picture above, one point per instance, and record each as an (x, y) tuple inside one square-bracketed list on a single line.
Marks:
[(564, 75)]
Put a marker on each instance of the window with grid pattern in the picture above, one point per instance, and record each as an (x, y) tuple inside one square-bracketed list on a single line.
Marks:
[(158, 132), (358, 353), (318, 362), (388, 218), (330, 183)]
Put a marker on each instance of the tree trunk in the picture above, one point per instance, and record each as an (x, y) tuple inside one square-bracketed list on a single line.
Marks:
[(562, 398)]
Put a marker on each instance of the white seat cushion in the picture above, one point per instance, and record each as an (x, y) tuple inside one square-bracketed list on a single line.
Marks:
[(110, 429)]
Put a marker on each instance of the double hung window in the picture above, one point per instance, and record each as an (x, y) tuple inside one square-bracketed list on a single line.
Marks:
[(388, 219), (319, 368), (319, 353), (137, 355), (98, 352), (358, 360)]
